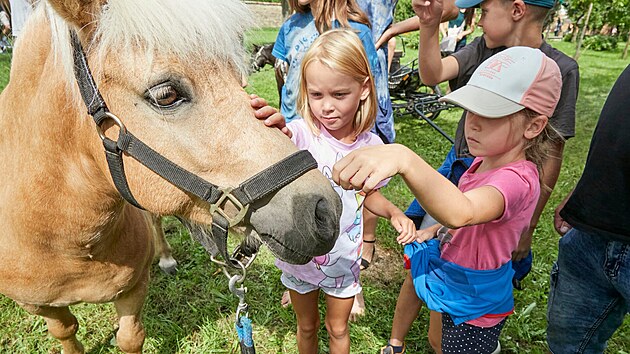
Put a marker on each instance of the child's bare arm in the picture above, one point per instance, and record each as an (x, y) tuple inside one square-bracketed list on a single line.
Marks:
[(428, 233), (450, 11), (379, 205), (432, 68), (404, 26), (366, 167)]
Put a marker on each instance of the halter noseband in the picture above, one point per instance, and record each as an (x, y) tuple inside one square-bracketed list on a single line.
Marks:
[(255, 188)]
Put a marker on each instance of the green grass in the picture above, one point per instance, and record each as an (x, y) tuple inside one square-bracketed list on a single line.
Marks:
[(192, 312), (262, 35), (5, 65)]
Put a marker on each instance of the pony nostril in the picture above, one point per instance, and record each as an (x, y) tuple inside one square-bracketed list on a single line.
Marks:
[(321, 209), (326, 219)]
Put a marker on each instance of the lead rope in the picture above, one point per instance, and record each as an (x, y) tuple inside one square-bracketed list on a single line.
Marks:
[(242, 323)]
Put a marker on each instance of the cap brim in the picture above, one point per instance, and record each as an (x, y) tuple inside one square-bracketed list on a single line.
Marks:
[(482, 102), (464, 4)]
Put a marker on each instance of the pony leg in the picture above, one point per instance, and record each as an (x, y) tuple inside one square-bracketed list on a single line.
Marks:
[(162, 249), (61, 324), (130, 335)]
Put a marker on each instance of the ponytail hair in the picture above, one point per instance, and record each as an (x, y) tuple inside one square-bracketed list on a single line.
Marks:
[(326, 11), (537, 150)]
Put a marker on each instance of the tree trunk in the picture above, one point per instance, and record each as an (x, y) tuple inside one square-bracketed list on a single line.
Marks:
[(574, 33), (584, 28), (625, 49)]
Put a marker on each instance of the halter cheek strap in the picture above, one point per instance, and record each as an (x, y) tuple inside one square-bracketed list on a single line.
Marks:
[(255, 188)]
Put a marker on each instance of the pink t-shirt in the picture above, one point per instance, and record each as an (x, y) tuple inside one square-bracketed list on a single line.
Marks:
[(490, 245)]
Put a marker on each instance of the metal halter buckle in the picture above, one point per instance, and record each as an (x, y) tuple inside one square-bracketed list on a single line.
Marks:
[(226, 194), (116, 120)]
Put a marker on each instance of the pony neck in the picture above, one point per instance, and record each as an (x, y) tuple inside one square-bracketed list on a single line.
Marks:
[(53, 162)]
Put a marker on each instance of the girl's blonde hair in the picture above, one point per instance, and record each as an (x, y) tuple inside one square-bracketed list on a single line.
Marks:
[(326, 11), (340, 50), (537, 149)]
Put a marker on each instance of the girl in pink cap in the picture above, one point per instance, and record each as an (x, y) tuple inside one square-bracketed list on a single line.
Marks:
[(463, 268)]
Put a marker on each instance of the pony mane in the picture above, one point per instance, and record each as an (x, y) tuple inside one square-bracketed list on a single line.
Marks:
[(210, 29)]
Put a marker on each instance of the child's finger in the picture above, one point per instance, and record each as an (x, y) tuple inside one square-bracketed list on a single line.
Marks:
[(257, 102), (397, 225), (265, 112), (406, 239), (410, 227)]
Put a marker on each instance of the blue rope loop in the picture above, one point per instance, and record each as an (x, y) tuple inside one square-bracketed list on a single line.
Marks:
[(244, 331)]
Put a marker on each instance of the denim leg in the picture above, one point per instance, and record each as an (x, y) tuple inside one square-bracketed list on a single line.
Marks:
[(585, 306)]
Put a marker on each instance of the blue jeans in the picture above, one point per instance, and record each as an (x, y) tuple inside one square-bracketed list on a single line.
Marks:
[(590, 289)]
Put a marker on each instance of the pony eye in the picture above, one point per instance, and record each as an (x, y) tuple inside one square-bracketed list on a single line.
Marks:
[(165, 95)]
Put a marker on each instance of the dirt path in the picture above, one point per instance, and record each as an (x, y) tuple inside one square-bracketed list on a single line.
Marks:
[(267, 14)]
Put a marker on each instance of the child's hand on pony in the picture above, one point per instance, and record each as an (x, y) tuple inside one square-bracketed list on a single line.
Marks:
[(270, 115)]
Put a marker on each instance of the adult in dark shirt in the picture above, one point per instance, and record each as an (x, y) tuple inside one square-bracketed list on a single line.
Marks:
[(590, 282)]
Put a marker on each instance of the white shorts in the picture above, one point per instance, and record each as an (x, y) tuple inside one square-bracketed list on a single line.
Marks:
[(302, 287)]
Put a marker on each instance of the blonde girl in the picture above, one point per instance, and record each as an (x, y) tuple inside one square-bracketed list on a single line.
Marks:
[(297, 33), (338, 103), (466, 274)]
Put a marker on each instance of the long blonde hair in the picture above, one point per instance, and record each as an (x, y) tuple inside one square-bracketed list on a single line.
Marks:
[(340, 50), (326, 11)]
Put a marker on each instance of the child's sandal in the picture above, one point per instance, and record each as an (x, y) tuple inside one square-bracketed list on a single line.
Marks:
[(393, 349), (364, 262)]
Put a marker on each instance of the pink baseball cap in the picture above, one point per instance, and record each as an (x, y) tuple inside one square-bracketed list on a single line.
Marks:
[(509, 81)]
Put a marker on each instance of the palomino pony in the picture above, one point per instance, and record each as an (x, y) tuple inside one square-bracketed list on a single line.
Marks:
[(170, 72)]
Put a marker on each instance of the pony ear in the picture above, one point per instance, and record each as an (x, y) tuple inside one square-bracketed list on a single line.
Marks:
[(78, 12)]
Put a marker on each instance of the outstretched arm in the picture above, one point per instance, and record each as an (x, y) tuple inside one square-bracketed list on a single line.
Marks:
[(398, 28), (366, 167), (428, 233)]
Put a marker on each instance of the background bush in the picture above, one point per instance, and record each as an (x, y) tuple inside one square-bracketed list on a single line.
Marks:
[(403, 10), (600, 43)]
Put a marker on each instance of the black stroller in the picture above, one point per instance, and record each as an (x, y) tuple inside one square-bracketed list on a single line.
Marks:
[(409, 95)]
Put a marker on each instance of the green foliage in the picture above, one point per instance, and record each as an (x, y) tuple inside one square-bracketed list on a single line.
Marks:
[(261, 36), (403, 10), (600, 43), (613, 13), (411, 40), (192, 312), (568, 37)]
